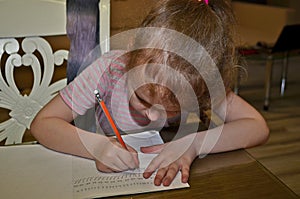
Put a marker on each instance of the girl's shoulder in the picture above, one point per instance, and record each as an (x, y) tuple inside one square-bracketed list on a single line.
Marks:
[(113, 55), (112, 59)]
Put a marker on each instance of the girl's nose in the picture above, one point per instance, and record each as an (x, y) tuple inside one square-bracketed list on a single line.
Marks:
[(154, 114)]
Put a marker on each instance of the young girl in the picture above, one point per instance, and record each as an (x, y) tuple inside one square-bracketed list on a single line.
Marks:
[(179, 56)]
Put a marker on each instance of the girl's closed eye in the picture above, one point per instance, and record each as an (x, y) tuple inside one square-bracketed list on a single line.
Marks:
[(159, 108), (142, 101)]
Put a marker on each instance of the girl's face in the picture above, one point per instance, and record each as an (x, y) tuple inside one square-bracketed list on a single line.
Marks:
[(154, 108)]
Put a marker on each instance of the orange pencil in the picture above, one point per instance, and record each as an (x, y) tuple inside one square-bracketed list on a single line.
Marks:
[(110, 120)]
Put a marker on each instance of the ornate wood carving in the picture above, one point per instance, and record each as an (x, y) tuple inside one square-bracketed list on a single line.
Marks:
[(23, 108)]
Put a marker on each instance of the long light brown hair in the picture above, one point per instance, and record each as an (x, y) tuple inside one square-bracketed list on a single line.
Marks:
[(212, 26)]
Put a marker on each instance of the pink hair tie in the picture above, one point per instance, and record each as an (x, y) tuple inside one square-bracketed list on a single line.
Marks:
[(205, 1)]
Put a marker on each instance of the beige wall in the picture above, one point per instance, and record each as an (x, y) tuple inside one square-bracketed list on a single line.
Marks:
[(258, 22), (295, 4), (127, 14)]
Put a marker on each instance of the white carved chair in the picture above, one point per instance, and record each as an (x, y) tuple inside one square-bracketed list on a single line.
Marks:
[(24, 26)]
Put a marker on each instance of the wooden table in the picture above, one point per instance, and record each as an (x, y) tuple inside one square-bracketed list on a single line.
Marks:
[(226, 175), (230, 175)]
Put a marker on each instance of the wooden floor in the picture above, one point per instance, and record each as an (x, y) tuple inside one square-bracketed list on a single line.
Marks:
[(281, 154)]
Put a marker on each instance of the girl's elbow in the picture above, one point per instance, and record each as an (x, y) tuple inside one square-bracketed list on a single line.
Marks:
[(260, 135), (34, 126), (264, 133)]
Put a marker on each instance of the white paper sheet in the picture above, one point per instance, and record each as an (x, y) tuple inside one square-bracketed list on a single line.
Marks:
[(32, 171)]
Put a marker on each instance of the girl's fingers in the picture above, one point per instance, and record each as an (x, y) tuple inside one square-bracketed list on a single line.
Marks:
[(185, 173), (128, 157), (160, 175), (115, 159), (154, 164), (153, 149), (115, 165), (103, 168), (121, 164), (128, 162), (134, 155), (170, 175), (166, 174), (147, 174)]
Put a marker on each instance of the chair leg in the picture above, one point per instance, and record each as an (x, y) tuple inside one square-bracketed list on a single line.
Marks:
[(268, 78), (284, 73)]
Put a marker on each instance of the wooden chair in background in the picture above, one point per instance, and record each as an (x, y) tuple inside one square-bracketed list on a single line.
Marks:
[(287, 41), (28, 62)]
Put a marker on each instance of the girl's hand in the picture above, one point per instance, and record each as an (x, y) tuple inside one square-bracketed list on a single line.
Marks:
[(173, 157), (114, 158)]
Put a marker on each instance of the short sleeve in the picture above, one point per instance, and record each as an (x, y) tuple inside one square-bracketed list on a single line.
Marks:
[(79, 94)]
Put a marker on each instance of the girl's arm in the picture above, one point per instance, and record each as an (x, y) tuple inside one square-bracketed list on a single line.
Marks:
[(244, 127), (52, 128)]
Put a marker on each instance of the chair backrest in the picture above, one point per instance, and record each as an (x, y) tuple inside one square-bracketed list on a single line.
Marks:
[(288, 39), (22, 48), (104, 7), (24, 24)]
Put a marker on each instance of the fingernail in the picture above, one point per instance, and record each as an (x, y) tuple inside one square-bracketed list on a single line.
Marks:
[(157, 182), (146, 175), (166, 182)]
